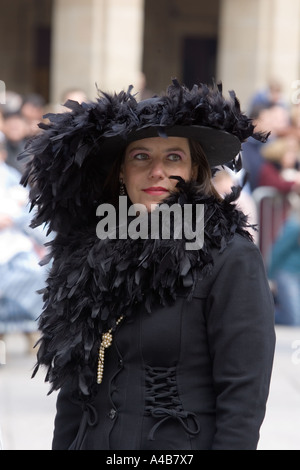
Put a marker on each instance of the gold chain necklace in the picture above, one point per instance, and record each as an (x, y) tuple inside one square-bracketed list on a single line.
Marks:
[(105, 343)]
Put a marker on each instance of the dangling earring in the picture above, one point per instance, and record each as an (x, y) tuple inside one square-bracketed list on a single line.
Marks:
[(122, 189)]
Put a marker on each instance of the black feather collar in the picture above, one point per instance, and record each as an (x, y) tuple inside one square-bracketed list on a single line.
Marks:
[(92, 282)]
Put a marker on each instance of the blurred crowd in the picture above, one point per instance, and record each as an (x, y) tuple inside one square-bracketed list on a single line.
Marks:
[(275, 164), (21, 248), (271, 194), (273, 171)]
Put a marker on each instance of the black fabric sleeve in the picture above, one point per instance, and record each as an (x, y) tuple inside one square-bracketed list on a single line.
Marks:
[(240, 322), (67, 421)]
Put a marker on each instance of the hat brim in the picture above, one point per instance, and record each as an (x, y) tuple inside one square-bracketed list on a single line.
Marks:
[(220, 147)]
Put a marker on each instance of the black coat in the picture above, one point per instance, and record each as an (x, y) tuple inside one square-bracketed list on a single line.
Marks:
[(190, 364), (194, 375)]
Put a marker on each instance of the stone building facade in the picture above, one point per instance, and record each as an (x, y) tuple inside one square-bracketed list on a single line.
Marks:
[(48, 46)]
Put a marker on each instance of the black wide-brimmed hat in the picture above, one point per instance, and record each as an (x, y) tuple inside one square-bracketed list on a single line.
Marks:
[(71, 158)]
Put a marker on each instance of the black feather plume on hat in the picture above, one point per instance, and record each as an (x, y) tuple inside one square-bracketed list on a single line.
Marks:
[(70, 159)]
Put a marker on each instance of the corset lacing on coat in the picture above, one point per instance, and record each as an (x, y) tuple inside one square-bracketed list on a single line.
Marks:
[(162, 400)]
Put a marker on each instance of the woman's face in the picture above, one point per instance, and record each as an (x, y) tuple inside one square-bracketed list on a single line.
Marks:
[(148, 165)]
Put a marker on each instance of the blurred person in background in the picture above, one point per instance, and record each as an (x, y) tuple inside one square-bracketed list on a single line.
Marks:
[(73, 94), (280, 168), (11, 105), (13, 102), (15, 130), (295, 120), (143, 92), (267, 118), (32, 109), (270, 95), (280, 173), (21, 116), (21, 249), (284, 268), (2, 136)]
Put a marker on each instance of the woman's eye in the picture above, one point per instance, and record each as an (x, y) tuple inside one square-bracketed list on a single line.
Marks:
[(174, 157), (140, 156)]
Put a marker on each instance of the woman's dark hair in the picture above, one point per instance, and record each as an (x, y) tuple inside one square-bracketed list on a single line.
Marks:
[(204, 175)]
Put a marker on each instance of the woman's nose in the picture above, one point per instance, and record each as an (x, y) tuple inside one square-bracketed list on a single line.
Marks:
[(157, 170)]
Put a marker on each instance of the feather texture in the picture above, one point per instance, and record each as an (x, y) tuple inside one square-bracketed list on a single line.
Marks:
[(92, 282), (69, 161)]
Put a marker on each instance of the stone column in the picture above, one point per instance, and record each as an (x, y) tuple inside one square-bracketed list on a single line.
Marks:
[(96, 42), (258, 41)]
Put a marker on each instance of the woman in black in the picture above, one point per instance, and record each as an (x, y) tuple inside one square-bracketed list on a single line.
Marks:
[(155, 341)]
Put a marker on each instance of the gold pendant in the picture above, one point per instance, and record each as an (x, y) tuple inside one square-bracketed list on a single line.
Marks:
[(105, 343)]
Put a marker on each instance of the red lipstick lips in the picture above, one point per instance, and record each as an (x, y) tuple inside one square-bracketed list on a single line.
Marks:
[(156, 190)]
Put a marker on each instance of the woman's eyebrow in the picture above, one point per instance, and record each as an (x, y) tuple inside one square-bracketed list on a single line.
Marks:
[(139, 147), (175, 149)]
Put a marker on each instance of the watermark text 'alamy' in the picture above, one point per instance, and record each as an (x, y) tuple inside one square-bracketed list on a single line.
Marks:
[(164, 221)]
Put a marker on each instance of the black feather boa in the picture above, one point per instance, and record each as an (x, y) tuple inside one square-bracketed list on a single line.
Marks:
[(92, 282)]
